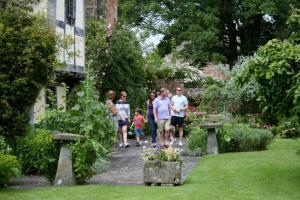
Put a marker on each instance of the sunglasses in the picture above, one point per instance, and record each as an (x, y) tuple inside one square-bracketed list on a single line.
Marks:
[(124, 96), (178, 90)]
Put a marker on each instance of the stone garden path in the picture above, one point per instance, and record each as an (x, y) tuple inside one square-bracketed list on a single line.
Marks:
[(126, 168)]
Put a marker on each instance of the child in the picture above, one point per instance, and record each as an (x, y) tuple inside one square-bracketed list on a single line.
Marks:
[(138, 121)]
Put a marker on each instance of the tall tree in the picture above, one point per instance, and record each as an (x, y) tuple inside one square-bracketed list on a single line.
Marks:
[(212, 30)]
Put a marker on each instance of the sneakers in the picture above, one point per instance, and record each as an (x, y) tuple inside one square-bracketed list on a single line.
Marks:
[(154, 145), (180, 144), (121, 145), (126, 145), (137, 144), (173, 140)]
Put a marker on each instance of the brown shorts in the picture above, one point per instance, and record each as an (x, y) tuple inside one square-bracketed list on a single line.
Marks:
[(163, 124)]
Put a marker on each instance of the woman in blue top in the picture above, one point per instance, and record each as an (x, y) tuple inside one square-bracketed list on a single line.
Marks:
[(150, 117)]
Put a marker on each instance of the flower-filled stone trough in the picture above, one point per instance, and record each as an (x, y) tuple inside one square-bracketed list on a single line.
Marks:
[(162, 167)]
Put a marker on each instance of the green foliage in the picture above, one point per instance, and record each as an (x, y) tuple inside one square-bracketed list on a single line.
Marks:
[(38, 154), (225, 138), (240, 137), (212, 100), (251, 139), (4, 147), (197, 139), (84, 156), (28, 57), (270, 175), (193, 120), (276, 69), (293, 24), (162, 155), (9, 166), (209, 29), (288, 128), (88, 117), (21, 4), (239, 97), (116, 58), (98, 53)]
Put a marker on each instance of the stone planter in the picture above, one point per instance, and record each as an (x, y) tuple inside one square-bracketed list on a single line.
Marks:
[(167, 173)]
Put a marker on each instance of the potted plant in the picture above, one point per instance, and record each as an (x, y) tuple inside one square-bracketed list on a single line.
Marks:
[(162, 166)]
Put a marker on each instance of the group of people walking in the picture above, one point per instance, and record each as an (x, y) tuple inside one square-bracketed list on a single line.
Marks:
[(165, 112)]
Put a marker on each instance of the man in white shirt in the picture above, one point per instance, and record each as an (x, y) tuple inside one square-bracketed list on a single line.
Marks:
[(179, 104)]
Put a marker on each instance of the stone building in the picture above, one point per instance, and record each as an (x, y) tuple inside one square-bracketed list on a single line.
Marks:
[(67, 17)]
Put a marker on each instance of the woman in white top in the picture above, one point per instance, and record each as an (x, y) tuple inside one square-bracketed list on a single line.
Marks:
[(123, 108)]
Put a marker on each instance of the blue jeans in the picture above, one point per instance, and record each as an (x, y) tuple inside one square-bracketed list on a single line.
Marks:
[(152, 128), (138, 132)]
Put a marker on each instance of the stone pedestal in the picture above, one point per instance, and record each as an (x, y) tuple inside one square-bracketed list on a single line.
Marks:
[(65, 174), (162, 173), (212, 144)]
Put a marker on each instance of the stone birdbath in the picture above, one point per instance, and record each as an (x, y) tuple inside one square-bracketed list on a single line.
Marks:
[(65, 174), (212, 144)]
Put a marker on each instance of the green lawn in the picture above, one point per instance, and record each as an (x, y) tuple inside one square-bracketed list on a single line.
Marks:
[(271, 174)]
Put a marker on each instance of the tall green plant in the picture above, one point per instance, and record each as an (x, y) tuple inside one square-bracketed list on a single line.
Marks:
[(28, 57), (276, 69), (95, 122), (116, 58)]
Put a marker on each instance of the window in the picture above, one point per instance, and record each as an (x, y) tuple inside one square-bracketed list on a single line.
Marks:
[(70, 11)]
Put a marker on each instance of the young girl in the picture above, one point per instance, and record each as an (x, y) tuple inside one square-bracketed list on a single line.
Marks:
[(138, 121)]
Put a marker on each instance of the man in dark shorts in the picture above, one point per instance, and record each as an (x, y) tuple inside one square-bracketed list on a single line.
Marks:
[(179, 104)]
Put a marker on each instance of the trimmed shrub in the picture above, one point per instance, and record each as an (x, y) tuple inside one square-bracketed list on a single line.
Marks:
[(240, 137), (251, 139), (9, 166)]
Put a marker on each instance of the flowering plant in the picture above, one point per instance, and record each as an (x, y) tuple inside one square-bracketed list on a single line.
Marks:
[(162, 155)]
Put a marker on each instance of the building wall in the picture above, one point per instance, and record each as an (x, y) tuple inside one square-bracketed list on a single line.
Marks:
[(74, 56), (56, 13)]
